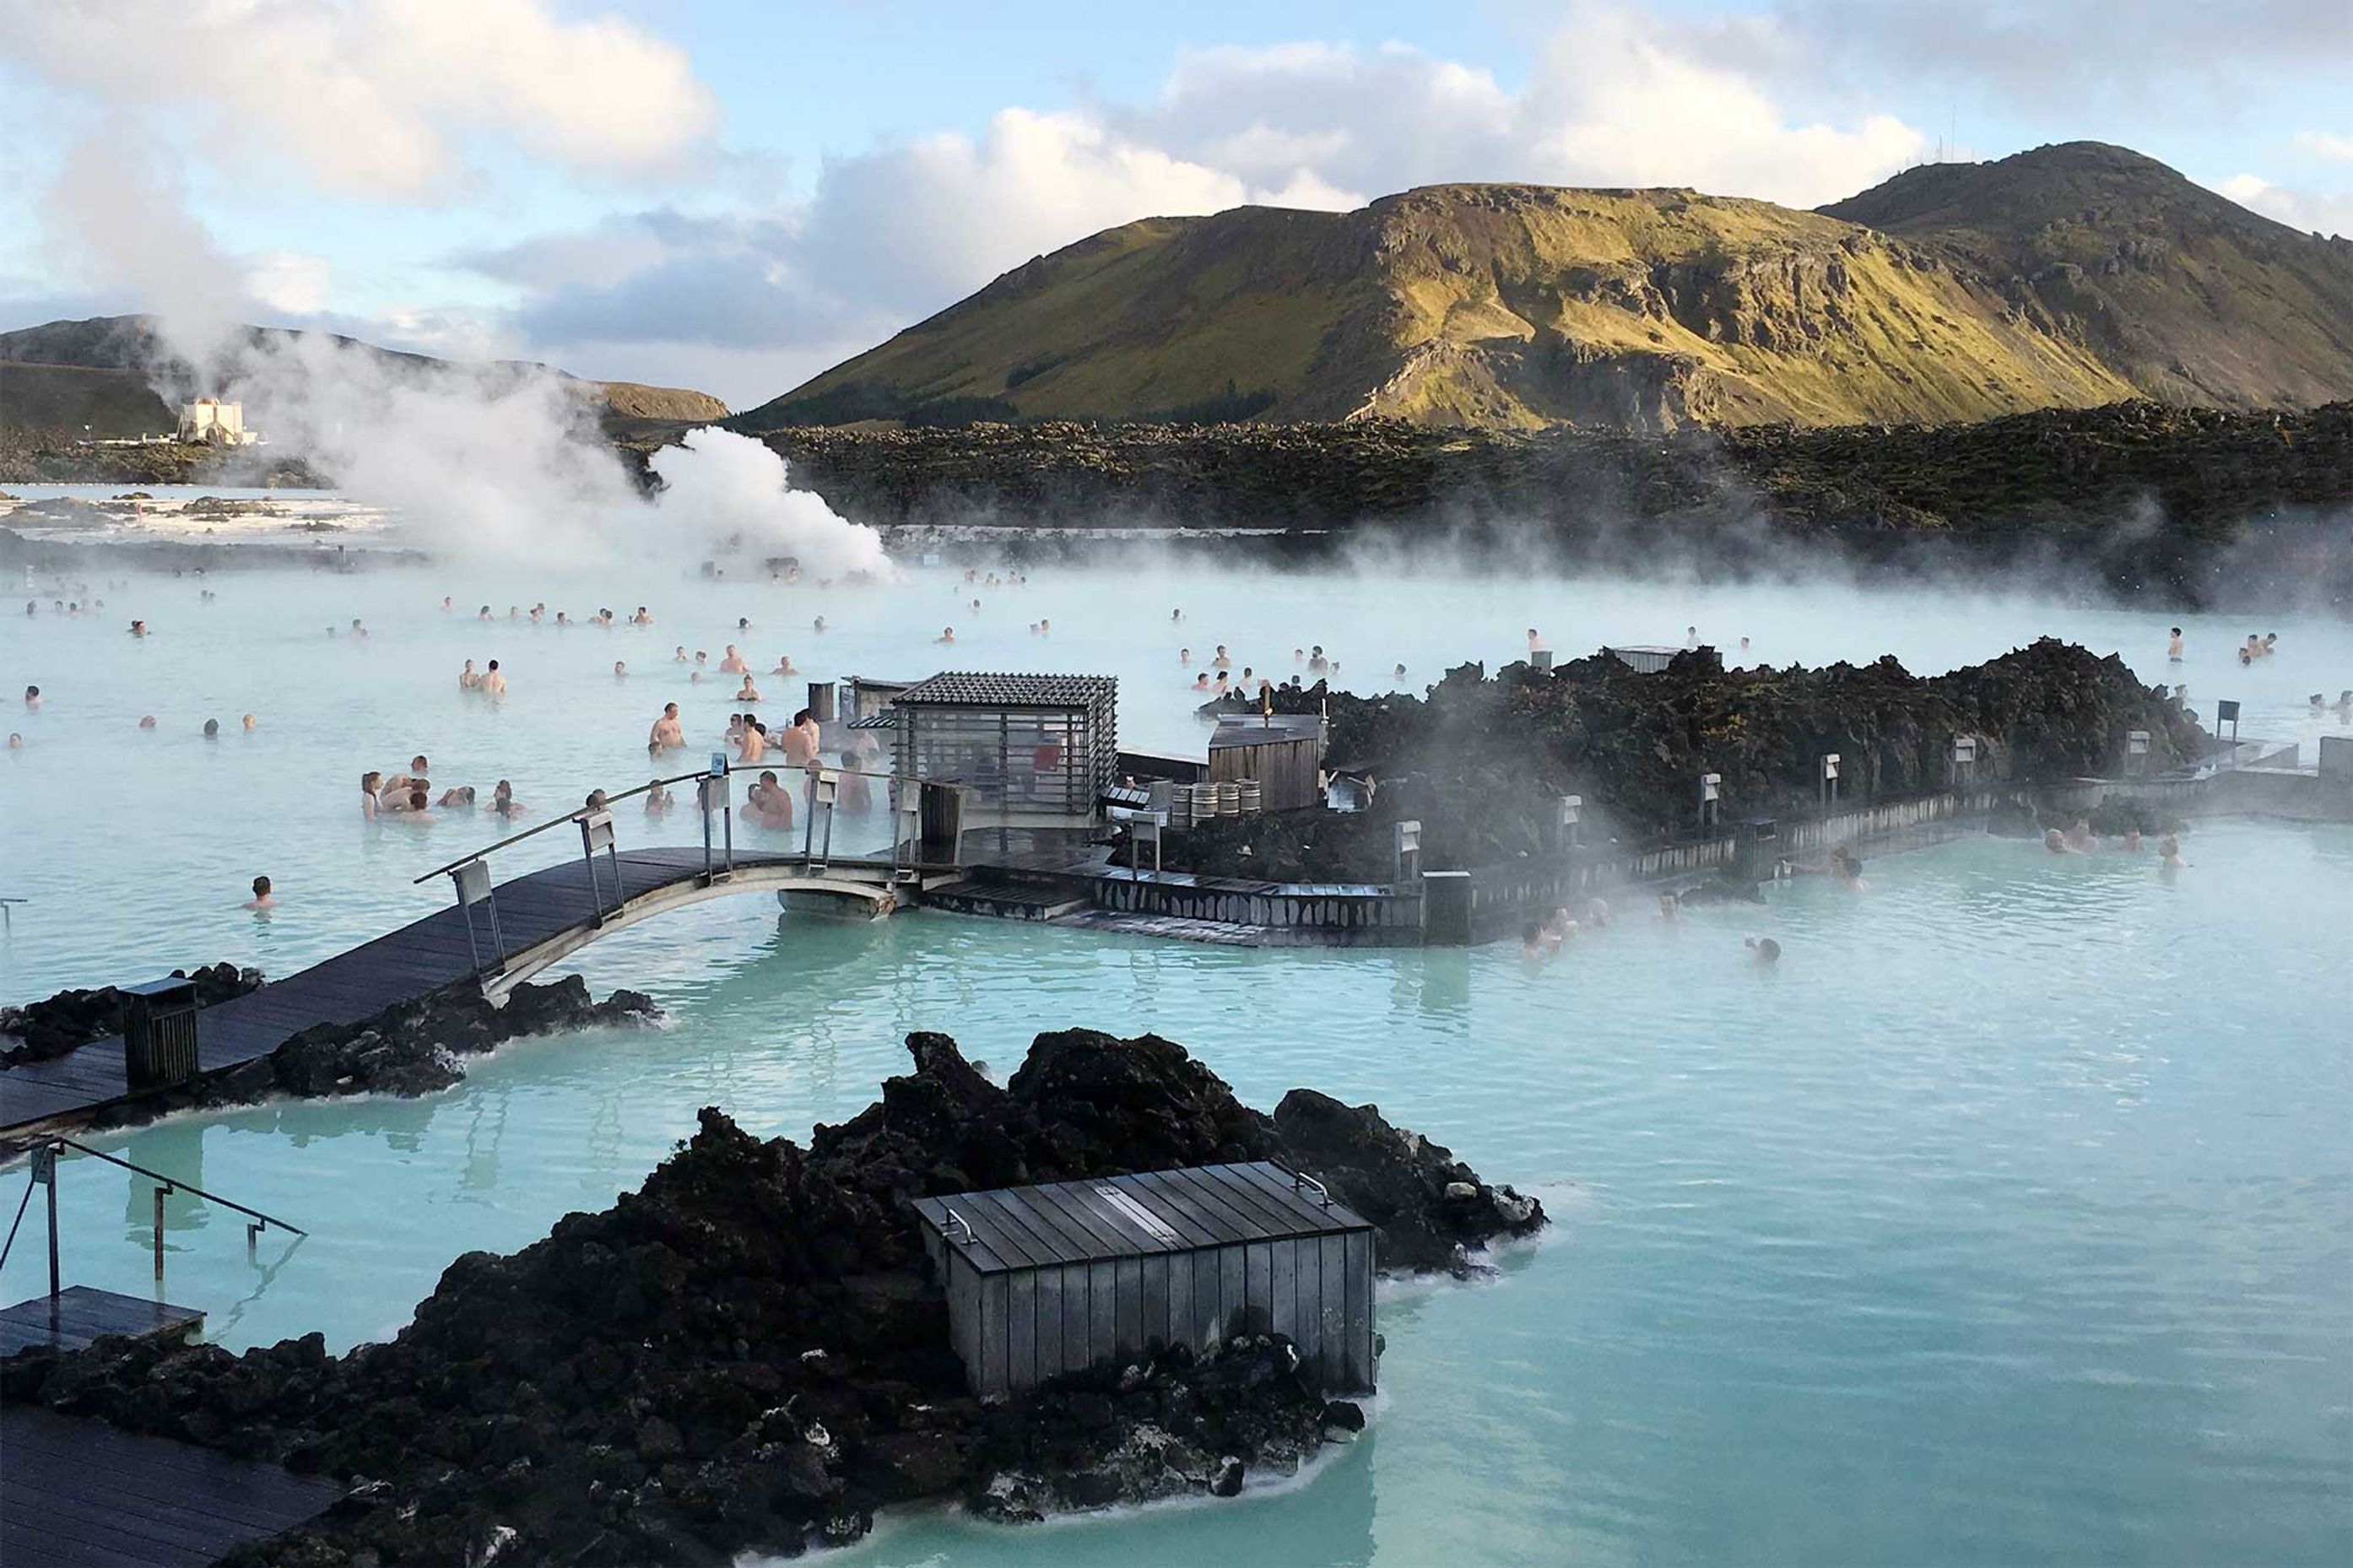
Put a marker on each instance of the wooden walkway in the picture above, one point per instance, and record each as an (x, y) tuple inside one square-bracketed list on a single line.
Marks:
[(413, 961), (75, 1492), (85, 1315)]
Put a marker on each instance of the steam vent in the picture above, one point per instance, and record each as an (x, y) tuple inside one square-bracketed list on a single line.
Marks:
[(1057, 1279)]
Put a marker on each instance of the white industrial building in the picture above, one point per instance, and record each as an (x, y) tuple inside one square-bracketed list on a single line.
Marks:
[(215, 423)]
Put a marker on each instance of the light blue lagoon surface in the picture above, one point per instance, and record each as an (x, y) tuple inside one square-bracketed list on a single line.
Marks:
[(2010, 1220)]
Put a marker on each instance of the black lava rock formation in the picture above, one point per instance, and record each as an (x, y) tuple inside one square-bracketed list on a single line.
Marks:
[(1481, 759), (746, 1354)]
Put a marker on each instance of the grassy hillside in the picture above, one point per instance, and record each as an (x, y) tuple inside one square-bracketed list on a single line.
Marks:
[(111, 404), (2187, 295), (1523, 307), (105, 373)]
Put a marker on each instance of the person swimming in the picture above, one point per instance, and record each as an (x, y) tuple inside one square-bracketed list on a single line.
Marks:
[(620, 670), (642, 618), (750, 693), (2173, 645), (679, 657), (492, 682), (32, 696), (2169, 853), (371, 785), (212, 729), (139, 628), (732, 662), (503, 801), (2056, 842), (147, 721), (1532, 941), (1201, 681), (249, 722), (1221, 661), (658, 799), (947, 635), (1763, 951), (753, 740), (783, 666), (262, 898), (2079, 837), (457, 797), (800, 741), (468, 678)]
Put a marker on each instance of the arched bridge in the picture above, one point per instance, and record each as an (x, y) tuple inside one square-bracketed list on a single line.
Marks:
[(497, 934)]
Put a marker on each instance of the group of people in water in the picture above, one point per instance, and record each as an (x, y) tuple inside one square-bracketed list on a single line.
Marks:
[(408, 796), (2078, 838)]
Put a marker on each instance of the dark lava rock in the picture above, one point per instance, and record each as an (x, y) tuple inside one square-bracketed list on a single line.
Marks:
[(414, 1047), (73, 1018), (1479, 759), (747, 1354)]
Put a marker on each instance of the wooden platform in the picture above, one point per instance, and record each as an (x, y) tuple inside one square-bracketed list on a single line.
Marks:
[(86, 1315), (413, 961), (77, 1492)]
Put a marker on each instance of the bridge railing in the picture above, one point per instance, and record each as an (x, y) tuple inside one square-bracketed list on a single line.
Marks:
[(713, 800)]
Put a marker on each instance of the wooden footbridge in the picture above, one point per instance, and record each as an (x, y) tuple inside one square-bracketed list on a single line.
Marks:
[(496, 935)]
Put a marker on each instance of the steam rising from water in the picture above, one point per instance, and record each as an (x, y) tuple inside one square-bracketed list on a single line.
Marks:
[(722, 482), (481, 461)]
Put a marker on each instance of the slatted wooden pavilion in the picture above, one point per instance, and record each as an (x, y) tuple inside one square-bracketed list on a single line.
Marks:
[(1028, 750), (1047, 1279), (1283, 752)]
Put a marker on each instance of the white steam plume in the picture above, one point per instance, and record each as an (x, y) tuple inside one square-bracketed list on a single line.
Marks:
[(720, 482), (478, 461)]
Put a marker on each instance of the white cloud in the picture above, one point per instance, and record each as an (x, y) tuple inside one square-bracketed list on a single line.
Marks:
[(290, 282), (2315, 212), (893, 234), (2321, 144), (372, 98)]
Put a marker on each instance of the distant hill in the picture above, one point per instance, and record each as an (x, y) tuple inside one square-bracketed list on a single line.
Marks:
[(2069, 276), (104, 374), (2187, 295)]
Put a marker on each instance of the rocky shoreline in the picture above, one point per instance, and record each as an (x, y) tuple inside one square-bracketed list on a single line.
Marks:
[(747, 1354), (2195, 506), (1480, 761), (411, 1049)]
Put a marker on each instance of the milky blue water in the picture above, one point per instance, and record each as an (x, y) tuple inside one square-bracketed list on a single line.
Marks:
[(2011, 1220)]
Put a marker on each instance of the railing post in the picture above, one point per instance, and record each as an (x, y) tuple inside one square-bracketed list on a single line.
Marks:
[(712, 794), (596, 833), (45, 1171), (473, 884)]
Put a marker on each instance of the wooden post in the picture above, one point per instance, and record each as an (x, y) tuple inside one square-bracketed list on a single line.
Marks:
[(160, 1191)]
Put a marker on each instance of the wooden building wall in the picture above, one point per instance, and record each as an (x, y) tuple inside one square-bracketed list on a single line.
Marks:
[(1016, 1328), (1289, 770)]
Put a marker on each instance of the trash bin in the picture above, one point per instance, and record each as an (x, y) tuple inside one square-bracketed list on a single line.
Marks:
[(159, 1033)]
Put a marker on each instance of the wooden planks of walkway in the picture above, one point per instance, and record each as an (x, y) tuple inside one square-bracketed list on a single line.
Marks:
[(421, 958), (84, 1315), (75, 1492)]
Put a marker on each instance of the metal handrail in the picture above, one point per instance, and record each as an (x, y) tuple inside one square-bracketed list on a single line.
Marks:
[(611, 799), (178, 1185)]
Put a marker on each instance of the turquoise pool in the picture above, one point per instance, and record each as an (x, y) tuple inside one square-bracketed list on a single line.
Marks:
[(2011, 1220)]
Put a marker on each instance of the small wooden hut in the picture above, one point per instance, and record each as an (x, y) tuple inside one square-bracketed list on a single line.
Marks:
[(1028, 750), (1284, 753)]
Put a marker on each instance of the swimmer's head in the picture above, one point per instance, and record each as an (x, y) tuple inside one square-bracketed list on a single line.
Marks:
[(2054, 840), (1766, 950), (147, 721), (261, 887), (372, 782), (417, 764), (418, 800), (212, 727)]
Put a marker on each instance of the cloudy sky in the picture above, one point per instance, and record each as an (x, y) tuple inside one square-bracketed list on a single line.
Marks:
[(734, 196)]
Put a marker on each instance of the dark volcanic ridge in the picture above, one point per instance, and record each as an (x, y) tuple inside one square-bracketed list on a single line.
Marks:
[(746, 1353)]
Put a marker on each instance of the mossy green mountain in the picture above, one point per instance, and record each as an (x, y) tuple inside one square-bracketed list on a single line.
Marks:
[(2069, 276)]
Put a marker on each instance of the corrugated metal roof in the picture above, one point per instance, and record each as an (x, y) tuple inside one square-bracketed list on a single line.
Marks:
[(1255, 730), (964, 690), (1128, 1216)]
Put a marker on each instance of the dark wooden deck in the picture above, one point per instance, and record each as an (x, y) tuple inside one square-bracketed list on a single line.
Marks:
[(75, 1492), (85, 1315), (413, 961)]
